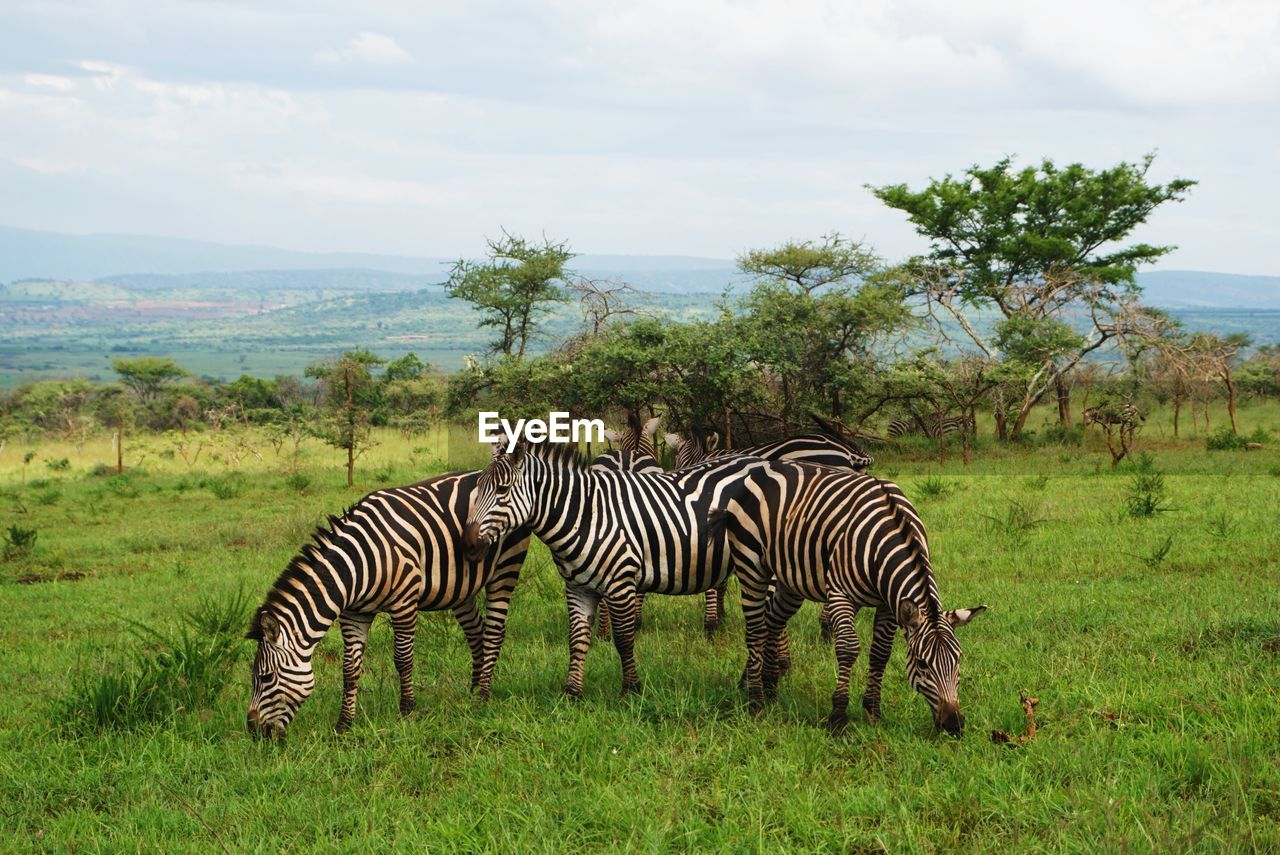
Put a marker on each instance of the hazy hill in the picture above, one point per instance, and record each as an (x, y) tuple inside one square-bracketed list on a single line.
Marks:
[(143, 263)]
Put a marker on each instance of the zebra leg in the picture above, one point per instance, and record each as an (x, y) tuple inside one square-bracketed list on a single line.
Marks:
[(582, 612), (886, 626), (473, 627), (755, 595), (712, 608), (621, 602), (603, 630), (355, 638), (843, 613), (404, 624), (824, 624), (639, 609), (782, 605), (497, 601)]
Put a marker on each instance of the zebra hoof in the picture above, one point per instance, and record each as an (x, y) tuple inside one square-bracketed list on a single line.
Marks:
[(482, 695), (631, 688), (837, 722), (342, 726), (407, 707), (573, 693), (784, 664)]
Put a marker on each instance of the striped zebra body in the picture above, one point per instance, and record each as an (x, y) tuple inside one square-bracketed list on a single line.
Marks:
[(636, 452), (398, 551), (612, 534), (823, 449), (930, 427), (1124, 415), (851, 541)]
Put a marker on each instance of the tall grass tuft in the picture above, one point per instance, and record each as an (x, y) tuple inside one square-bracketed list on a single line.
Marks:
[(1147, 492), (1016, 522), (178, 670), (19, 541), (934, 487)]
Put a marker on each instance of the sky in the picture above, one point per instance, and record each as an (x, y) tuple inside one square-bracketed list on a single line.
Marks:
[(697, 127)]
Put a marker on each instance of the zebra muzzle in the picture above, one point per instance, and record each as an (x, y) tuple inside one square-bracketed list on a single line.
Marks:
[(473, 545)]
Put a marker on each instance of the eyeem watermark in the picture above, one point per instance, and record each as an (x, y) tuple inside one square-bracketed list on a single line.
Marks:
[(558, 427)]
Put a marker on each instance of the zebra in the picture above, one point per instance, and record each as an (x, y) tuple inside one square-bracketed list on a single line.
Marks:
[(850, 540), (398, 551), (1126, 416), (929, 426), (611, 534), (827, 449), (636, 452), (635, 437)]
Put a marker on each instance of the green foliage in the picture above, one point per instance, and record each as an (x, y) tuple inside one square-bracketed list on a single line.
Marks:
[(1016, 522), (146, 375), (1228, 440), (229, 486), (934, 487), (19, 541), (61, 464), (298, 482), (1147, 491), (174, 671), (1156, 556), (1222, 527), (513, 288)]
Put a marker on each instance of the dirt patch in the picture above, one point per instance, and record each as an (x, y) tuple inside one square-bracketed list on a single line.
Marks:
[(37, 578)]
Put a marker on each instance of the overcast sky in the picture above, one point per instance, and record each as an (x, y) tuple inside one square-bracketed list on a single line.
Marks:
[(687, 127)]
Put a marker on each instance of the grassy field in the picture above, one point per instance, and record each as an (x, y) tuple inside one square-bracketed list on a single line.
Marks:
[(1153, 644)]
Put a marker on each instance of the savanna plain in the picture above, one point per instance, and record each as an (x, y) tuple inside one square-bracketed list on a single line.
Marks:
[(1140, 605)]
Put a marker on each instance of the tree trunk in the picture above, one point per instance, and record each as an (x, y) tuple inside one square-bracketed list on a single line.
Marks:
[(351, 466), (1231, 400), (1206, 414), (1177, 410), (120, 450), (1064, 400), (942, 435)]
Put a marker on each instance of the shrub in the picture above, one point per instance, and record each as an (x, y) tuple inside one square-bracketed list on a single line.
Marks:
[(19, 541), (298, 482), (101, 470), (384, 473), (1016, 522), (1225, 440), (123, 485), (1060, 434), (47, 496), (1147, 492), (224, 486)]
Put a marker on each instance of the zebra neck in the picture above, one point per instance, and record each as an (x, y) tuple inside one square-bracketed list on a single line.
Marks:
[(563, 499), (310, 594)]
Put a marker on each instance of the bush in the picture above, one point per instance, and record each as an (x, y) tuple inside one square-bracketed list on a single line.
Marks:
[(384, 473), (933, 487), (1060, 434), (298, 482), (19, 542), (1225, 440), (224, 486)]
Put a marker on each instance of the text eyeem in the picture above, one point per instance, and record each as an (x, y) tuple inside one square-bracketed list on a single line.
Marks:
[(558, 427)]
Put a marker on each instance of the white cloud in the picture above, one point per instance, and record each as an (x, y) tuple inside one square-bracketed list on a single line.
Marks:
[(372, 48), (48, 81)]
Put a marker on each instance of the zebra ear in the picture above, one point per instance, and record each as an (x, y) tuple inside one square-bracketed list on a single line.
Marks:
[(651, 426), (673, 440), (713, 441), (908, 615), (960, 617), (265, 628), (612, 435)]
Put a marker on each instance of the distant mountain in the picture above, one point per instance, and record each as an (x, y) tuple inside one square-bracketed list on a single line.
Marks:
[(140, 262), (1197, 289)]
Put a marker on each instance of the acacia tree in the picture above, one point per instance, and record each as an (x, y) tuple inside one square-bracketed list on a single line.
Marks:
[(1040, 246), (811, 320), (348, 383), (147, 375), (517, 283)]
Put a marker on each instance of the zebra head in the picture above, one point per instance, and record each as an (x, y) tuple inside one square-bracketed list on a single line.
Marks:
[(502, 499), (933, 660), (692, 450), (282, 677)]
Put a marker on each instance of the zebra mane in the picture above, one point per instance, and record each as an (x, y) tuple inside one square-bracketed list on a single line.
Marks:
[(833, 432), (921, 566), (564, 454), (321, 540)]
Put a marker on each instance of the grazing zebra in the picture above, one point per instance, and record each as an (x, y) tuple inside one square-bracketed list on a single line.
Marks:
[(930, 426), (398, 551), (612, 534), (851, 541), (635, 437), (826, 449)]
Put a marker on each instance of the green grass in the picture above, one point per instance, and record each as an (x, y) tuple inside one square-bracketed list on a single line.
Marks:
[(1159, 724)]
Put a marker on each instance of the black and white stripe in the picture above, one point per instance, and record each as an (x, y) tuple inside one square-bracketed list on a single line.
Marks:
[(851, 541), (612, 534), (398, 551), (824, 449), (930, 426)]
